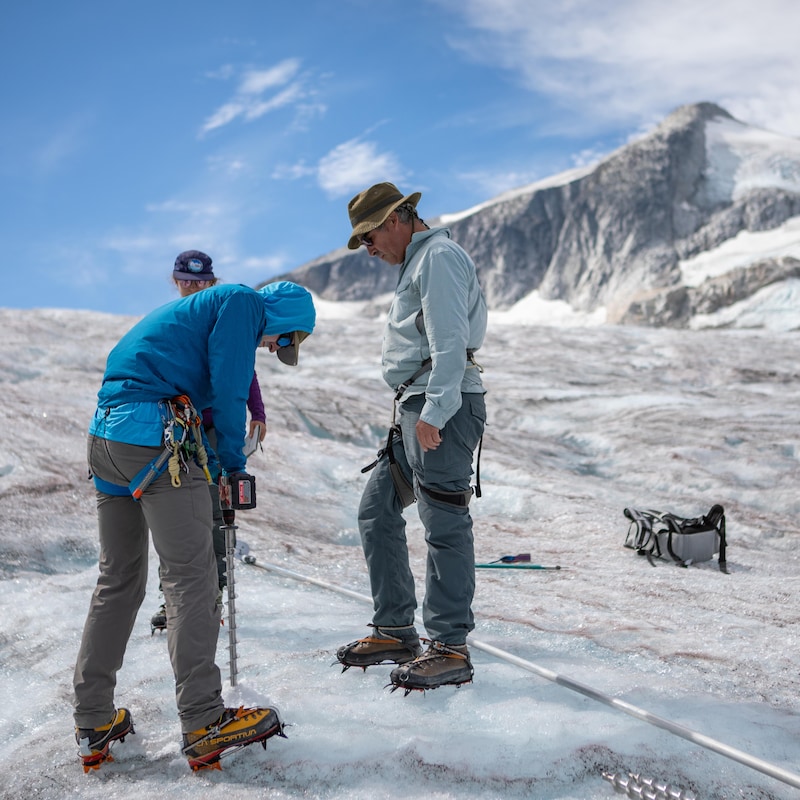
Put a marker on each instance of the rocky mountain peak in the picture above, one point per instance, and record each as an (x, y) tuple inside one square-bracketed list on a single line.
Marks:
[(615, 236)]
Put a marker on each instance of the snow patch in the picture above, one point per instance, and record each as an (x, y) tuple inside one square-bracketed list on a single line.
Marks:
[(743, 249), (535, 310), (758, 159), (775, 307)]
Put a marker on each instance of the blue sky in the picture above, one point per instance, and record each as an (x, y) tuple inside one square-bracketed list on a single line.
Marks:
[(132, 131)]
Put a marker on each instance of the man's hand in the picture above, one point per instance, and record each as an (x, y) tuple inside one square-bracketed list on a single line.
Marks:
[(428, 436), (257, 425)]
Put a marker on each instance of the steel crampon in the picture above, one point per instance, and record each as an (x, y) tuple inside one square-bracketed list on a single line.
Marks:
[(211, 760), (92, 758)]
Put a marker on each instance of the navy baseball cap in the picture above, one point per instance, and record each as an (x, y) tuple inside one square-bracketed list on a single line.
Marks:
[(193, 265)]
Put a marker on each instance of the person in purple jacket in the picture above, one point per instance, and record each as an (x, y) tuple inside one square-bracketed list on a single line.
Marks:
[(193, 272)]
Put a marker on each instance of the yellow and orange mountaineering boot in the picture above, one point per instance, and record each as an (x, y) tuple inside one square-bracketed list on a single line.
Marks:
[(236, 728), (94, 743)]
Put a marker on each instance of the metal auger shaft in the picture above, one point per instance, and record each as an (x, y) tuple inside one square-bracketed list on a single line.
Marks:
[(637, 786), (230, 559)]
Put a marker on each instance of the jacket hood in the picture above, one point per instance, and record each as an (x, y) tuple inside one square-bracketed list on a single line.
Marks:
[(289, 308)]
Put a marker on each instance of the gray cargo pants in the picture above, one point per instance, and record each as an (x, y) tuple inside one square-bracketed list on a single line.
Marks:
[(450, 575), (180, 523)]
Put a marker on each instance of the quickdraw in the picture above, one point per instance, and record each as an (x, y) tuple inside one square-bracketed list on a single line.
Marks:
[(182, 421), (183, 440)]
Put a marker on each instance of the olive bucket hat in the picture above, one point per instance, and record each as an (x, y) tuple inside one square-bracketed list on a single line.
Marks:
[(369, 209)]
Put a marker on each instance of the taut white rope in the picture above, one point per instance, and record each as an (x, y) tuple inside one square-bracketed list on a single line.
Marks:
[(780, 774)]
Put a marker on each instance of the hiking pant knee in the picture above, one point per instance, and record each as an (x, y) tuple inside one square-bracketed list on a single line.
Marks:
[(218, 536), (450, 574), (383, 537)]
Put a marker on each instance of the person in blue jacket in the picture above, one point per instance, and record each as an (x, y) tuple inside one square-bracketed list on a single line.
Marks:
[(194, 272), (194, 353), (436, 322)]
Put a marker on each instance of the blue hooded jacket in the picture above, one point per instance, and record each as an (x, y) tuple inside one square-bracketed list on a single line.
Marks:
[(202, 346)]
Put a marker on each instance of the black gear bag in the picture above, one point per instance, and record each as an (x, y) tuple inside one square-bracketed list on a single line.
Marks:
[(685, 541)]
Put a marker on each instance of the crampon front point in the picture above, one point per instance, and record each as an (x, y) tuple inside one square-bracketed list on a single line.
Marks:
[(95, 743)]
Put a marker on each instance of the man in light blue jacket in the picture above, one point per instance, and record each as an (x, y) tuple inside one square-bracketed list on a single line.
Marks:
[(194, 353), (436, 322)]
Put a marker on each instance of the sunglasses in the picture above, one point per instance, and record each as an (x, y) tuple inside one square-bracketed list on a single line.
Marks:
[(187, 283), (366, 238)]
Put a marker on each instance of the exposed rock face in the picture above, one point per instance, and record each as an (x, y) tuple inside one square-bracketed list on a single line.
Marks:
[(675, 307), (615, 236)]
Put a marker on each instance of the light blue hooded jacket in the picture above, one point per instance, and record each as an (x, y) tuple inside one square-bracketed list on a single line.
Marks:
[(439, 279), (202, 346)]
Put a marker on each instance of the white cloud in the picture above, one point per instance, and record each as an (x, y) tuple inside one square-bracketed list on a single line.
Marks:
[(635, 60), (293, 172), (284, 98), (188, 209), (306, 113), (223, 115), (228, 165), (349, 167), (258, 81), (248, 102), (355, 164)]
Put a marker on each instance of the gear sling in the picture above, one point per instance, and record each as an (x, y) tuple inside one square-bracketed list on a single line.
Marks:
[(404, 489), (180, 420)]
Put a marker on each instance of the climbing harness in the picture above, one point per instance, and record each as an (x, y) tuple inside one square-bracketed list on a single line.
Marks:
[(404, 489), (183, 441), (657, 534)]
